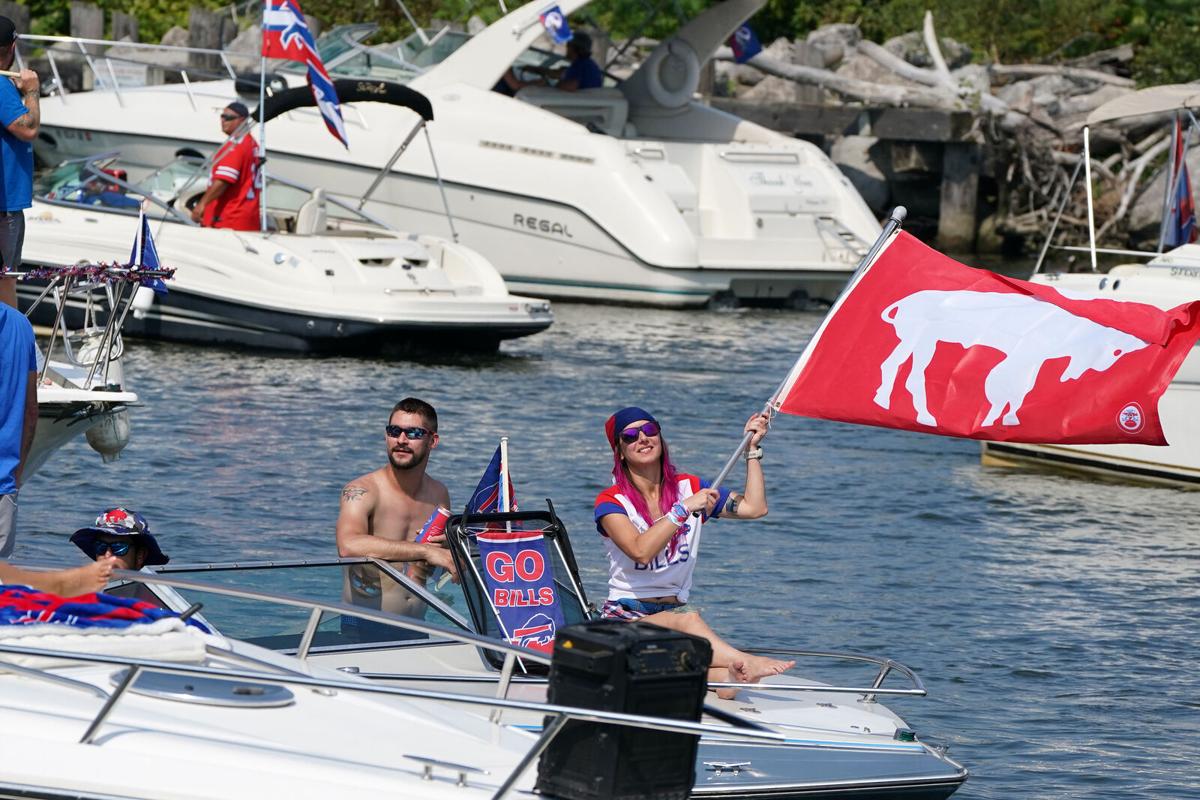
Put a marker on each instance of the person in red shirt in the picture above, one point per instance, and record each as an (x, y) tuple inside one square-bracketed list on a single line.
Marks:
[(231, 200)]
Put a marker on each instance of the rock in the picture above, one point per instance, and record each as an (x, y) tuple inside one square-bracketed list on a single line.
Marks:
[(834, 42), (475, 25), (772, 89), (1019, 95), (911, 47), (862, 68), (244, 50), (780, 49), (974, 78), (176, 37), (987, 238), (853, 156)]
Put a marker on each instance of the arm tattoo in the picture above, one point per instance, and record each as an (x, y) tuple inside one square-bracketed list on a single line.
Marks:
[(26, 121), (352, 492)]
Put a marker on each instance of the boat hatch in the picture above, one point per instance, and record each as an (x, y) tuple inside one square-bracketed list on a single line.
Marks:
[(208, 691), (378, 262)]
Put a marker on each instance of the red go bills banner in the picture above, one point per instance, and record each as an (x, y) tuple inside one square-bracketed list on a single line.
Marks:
[(924, 343), (520, 584)]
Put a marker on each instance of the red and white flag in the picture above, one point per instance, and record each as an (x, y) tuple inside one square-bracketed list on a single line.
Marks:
[(924, 343)]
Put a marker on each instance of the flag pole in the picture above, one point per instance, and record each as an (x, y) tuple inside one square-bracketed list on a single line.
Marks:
[(1087, 184), (889, 229), (262, 127), (504, 474)]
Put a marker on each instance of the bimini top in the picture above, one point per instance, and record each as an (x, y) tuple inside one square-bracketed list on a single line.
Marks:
[(1155, 100), (350, 91)]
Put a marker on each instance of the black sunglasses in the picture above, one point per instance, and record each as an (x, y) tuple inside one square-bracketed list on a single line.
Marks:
[(229, 117), (99, 548), (414, 433)]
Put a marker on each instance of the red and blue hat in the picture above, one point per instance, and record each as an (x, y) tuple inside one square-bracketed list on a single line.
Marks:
[(121, 522), (621, 420)]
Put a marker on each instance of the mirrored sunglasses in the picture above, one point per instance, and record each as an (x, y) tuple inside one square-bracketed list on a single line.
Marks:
[(630, 434), (99, 548), (414, 433)]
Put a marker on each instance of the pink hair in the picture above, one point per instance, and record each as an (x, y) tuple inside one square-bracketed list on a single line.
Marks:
[(668, 486)]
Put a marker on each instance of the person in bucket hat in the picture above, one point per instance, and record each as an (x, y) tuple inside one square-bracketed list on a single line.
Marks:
[(122, 535)]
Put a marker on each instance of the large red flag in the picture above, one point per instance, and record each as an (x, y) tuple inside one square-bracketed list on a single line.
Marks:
[(924, 343)]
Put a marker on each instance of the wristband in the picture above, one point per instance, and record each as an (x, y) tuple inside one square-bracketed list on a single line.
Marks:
[(754, 455), (678, 514)]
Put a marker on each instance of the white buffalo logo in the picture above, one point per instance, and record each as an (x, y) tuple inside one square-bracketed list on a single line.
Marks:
[(1028, 331)]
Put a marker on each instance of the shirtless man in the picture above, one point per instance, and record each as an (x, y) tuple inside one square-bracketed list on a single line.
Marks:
[(383, 511)]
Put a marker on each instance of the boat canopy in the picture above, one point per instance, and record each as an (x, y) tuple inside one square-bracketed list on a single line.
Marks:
[(1155, 100), (350, 91)]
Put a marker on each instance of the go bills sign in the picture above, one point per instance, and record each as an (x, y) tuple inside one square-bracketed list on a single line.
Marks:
[(521, 586)]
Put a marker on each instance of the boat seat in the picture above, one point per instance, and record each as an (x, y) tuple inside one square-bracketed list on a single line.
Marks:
[(604, 110), (312, 216)]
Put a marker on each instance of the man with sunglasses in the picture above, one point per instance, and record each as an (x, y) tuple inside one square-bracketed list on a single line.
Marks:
[(122, 538), (231, 199), (382, 512), (20, 118)]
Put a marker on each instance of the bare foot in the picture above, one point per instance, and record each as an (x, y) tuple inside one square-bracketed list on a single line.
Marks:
[(738, 673), (759, 667), (83, 580)]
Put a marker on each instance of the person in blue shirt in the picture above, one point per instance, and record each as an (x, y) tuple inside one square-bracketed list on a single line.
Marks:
[(583, 72), (18, 414), (20, 117)]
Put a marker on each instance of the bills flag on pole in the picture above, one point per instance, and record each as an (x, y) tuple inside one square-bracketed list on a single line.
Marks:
[(745, 44), (145, 255), (555, 23), (486, 499), (1181, 220), (923, 343), (286, 35)]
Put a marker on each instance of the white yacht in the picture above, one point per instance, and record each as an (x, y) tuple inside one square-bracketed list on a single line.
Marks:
[(1168, 279), (631, 193), (324, 278)]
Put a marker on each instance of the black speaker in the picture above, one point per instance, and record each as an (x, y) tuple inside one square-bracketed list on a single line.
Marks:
[(634, 668)]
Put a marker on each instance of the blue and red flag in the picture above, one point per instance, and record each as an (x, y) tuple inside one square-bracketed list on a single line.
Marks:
[(22, 605), (286, 35), (145, 255), (555, 23), (745, 44), (520, 584), (486, 499), (1181, 219)]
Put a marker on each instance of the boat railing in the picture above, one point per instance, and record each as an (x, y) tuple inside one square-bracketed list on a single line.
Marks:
[(162, 575), (87, 49)]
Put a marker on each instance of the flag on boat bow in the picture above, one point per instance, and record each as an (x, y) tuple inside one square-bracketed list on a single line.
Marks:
[(745, 44), (486, 499), (286, 35), (923, 343), (145, 255), (555, 23)]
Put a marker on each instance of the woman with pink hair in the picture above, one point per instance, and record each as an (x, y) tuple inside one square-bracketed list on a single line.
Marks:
[(651, 518)]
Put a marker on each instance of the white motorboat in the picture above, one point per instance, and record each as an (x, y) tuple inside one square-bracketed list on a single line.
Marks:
[(837, 740), (81, 381), (325, 278), (631, 193), (162, 710), (1167, 280)]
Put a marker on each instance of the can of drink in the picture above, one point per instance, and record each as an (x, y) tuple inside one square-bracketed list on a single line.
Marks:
[(435, 525)]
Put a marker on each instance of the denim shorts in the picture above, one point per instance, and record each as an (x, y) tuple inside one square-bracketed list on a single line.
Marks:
[(8, 524), (630, 608)]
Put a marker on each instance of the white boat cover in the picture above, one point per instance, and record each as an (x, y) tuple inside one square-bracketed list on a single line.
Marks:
[(1155, 100)]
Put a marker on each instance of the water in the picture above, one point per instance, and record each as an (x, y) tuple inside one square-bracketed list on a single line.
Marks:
[(1054, 620)]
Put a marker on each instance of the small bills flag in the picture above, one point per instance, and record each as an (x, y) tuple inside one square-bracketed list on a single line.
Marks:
[(923, 343), (745, 44), (555, 23), (1181, 219), (286, 35)]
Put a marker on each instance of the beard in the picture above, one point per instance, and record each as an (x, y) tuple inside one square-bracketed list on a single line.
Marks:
[(406, 459)]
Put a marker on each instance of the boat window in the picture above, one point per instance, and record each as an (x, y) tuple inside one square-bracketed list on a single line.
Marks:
[(280, 627), (184, 174), (86, 183), (435, 48)]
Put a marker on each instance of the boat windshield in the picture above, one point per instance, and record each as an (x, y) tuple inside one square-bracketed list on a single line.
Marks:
[(92, 182), (432, 599)]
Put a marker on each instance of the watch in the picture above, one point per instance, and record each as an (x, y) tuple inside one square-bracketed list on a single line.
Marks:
[(754, 455)]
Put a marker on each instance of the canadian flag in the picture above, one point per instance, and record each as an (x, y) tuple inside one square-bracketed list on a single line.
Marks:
[(924, 343)]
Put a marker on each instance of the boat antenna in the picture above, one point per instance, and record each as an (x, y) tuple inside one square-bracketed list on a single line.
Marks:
[(411, 21)]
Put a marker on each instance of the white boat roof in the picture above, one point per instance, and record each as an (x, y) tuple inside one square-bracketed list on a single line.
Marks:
[(1155, 100)]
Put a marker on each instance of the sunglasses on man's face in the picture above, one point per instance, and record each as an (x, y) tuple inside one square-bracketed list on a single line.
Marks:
[(414, 433), (229, 117), (99, 548), (630, 434)]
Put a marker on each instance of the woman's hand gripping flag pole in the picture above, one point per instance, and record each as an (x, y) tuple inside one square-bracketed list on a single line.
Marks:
[(772, 405)]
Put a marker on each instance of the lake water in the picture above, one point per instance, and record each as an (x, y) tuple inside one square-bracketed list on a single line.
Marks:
[(1054, 620)]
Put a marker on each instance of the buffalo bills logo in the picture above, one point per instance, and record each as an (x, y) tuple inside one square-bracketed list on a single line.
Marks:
[(537, 632)]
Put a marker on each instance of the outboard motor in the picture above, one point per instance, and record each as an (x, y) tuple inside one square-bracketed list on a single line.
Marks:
[(109, 436)]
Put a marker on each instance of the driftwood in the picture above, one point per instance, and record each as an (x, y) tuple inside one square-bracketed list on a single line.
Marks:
[(1035, 70), (852, 88)]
